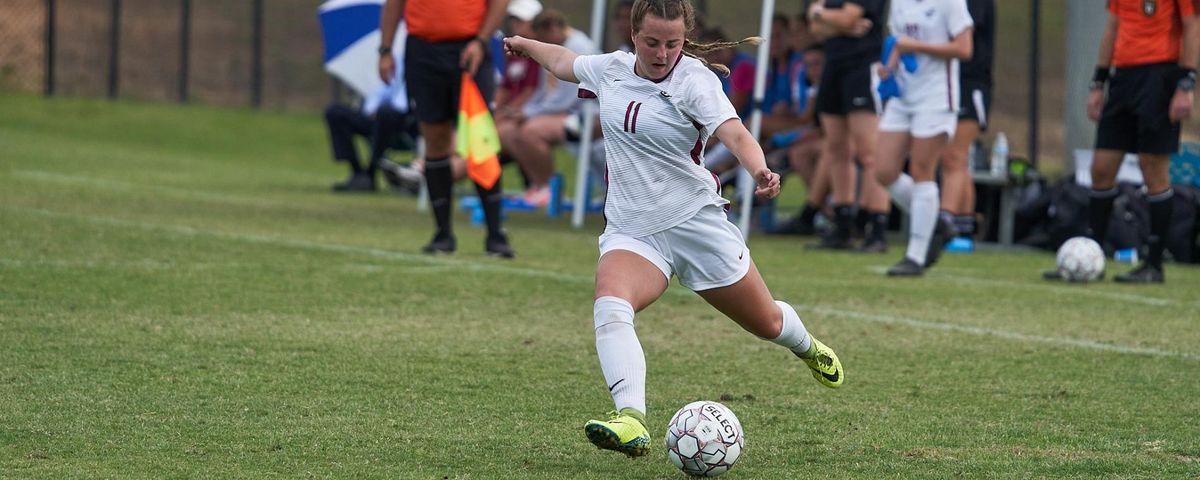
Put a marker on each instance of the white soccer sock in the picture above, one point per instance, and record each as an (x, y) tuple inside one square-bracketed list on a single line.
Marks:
[(902, 191), (793, 335), (621, 356), (922, 220)]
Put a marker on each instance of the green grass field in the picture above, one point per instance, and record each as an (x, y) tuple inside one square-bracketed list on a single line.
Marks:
[(180, 296)]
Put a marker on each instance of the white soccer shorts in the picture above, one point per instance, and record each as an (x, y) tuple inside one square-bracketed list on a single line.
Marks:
[(921, 124), (705, 251)]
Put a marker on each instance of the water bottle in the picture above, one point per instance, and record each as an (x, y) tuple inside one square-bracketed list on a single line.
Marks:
[(999, 163), (1126, 255)]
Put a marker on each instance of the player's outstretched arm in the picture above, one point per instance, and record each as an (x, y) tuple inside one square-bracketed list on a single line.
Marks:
[(557, 59), (749, 153)]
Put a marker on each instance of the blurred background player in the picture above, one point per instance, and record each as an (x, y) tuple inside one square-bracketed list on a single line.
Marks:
[(920, 122), (383, 119), (520, 76), (804, 155), (1148, 59), (541, 124), (445, 39), (852, 31), (665, 216), (975, 102)]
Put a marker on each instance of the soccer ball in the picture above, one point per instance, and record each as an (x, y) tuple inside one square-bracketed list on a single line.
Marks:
[(704, 439), (1080, 259)]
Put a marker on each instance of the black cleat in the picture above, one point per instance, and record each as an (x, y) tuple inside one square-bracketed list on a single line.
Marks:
[(906, 268), (795, 226), (358, 182), (1144, 274), (498, 246), (878, 245), (440, 244), (831, 242), (942, 233)]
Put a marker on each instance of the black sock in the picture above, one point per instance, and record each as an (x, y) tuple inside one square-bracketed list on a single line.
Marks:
[(1161, 206), (439, 178), (1099, 210), (862, 218), (843, 221), (877, 226), (490, 198), (965, 224), (355, 165), (809, 214)]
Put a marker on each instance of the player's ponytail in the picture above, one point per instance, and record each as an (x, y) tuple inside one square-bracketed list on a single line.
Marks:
[(697, 51)]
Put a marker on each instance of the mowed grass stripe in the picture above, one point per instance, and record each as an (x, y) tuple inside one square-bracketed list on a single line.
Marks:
[(442, 262)]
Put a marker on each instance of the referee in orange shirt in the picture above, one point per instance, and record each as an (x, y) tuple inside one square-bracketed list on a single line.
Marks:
[(445, 39), (1148, 60)]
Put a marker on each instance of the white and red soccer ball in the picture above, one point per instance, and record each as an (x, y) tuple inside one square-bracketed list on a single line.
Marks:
[(704, 439)]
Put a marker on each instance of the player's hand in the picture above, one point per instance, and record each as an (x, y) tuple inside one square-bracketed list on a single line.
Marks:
[(884, 71), (387, 68), (472, 56), (515, 45), (766, 183), (905, 44), (1181, 106), (860, 28), (1095, 104)]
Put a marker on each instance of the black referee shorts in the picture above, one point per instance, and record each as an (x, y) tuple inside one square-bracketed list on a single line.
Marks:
[(434, 78), (1136, 114), (975, 102), (847, 87)]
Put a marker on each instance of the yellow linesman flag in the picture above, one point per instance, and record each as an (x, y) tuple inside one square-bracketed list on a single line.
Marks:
[(478, 141)]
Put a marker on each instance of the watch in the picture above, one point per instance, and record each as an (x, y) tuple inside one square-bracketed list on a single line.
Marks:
[(384, 49), (1188, 82)]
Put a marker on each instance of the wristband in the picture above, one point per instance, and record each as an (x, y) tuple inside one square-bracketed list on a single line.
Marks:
[(384, 50), (1188, 82), (1099, 78), (482, 43)]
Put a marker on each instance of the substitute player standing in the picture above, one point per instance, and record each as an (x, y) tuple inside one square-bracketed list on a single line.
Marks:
[(849, 107), (922, 120), (975, 75), (1148, 60), (658, 106)]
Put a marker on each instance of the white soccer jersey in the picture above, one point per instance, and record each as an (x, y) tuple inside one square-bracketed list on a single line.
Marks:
[(934, 86), (654, 136)]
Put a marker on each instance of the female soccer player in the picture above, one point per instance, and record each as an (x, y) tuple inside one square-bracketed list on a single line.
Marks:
[(922, 120), (658, 106)]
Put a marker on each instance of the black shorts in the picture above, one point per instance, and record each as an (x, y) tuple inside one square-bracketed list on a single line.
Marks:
[(1136, 113), (433, 77), (975, 102), (847, 87)]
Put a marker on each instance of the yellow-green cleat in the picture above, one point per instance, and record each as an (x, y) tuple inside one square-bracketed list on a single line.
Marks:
[(624, 432), (825, 366)]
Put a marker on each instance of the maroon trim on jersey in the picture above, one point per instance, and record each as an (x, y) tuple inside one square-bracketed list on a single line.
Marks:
[(633, 125), (698, 148), (669, 72), (717, 180), (628, 110), (585, 93), (949, 89)]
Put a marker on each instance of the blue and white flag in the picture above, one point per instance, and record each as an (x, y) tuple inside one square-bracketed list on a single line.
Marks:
[(351, 35)]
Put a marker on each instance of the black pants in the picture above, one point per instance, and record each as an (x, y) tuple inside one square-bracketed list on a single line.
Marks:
[(382, 131)]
